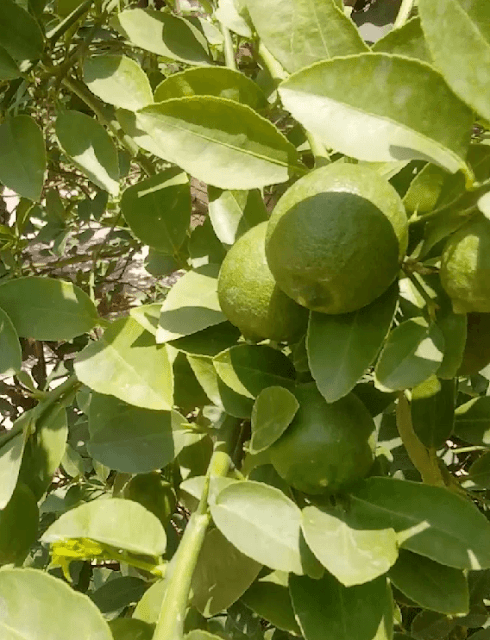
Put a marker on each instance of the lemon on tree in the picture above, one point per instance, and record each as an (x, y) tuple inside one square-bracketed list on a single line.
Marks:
[(250, 298), (336, 238), (465, 267), (326, 446), (476, 354)]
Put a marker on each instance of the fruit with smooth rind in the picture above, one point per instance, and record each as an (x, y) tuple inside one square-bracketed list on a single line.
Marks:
[(476, 354), (336, 238), (327, 446), (250, 298), (154, 493)]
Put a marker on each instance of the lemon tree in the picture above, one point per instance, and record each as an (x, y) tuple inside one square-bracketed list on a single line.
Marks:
[(244, 319)]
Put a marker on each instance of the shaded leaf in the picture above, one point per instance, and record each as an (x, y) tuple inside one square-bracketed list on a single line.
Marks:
[(407, 40), (204, 246), (233, 213), (273, 411), (479, 472), (18, 526), (10, 351), (433, 411), (210, 341), (8, 67), (129, 629), (429, 625), (231, 14), (11, 453), (269, 598), (20, 34), (118, 593), (472, 421)]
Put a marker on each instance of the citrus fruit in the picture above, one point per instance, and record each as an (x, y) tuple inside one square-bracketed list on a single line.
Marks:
[(249, 296), (336, 238), (154, 493), (476, 354), (465, 267), (327, 446)]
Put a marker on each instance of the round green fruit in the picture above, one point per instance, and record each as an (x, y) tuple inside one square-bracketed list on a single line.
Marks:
[(154, 493), (465, 267), (327, 446), (336, 238), (477, 348), (249, 296)]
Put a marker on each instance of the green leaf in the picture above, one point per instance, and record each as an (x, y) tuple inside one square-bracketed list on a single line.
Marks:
[(204, 247), (135, 440), (233, 213), (453, 328), (479, 472), (326, 610), (20, 34), (212, 81), (158, 210), (118, 80), (407, 40), (127, 364), (433, 411), (472, 421), (210, 341), (191, 305), (218, 141), (430, 521), (431, 585), (412, 353), (430, 625), (122, 524), (90, 148), (300, 32), (61, 613), (8, 67), (118, 593), (148, 608), (194, 486), (128, 629), (273, 412), (341, 347), (449, 25), (353, 555), (47, 309), (147, 316), (11, 453), (231, 14), (22, 156), (10, 351), (18, 526), (221, 576), (262, 523), (396, 109), (164, 34), (425, 189)]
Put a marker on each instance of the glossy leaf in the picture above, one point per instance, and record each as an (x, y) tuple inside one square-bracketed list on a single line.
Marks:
[(341, 347), (218, 141), (158, 210), (407, 40), (61, 613), (132, 439), (433, 411), (118, 80), (127, 364), (397, 109), (11, 453), (164, 34), (431, 585), (428, 520), (20, 34), (122, 524), (10, 351), (47, 309), (211, 81), (19, 522), (353, 555), (191, 305), (273, 411), (90, 148), (269, 598), (233, 213), (472, 421), (22, 156), (412, 353), (299, 33), (8, 67)]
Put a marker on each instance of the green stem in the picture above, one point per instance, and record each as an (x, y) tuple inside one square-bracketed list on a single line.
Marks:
[(228, 48), (69, 21), (404, 13), (321, 155)]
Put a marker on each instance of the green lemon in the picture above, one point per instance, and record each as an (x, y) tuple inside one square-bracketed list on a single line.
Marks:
[(327, 446), (154, 493), (477, 348), (465, 267), (336, 238), (249, 296)]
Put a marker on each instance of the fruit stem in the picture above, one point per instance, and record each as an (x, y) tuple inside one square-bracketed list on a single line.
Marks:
[(404, 13)]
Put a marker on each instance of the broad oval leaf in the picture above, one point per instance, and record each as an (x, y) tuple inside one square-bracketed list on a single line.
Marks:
[(449, 25), (191, 305), (218, 141), (19, 522), (211, 81), (118, 80), (430, 625), (8, 67), (22, 156), (234, 15), (341, 347), (10, 351), (11, 452), (132, 439), (430, 521), (479, 472), (118, 593), (407, 40), (158, 210), (164, 34), (300, 32), (61, 613), (127, 364), (20, 34), (233, 213), (262, 523), (472, 421), (430, 584), (396, 109), (353, 555), (412, 353), (273, 412), (47, 309), (122, 524), (129, 629), (90, 148), (433, 411)]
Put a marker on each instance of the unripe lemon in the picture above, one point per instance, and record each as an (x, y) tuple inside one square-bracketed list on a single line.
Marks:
[(249, 296), (327, 446), (336, 238)]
